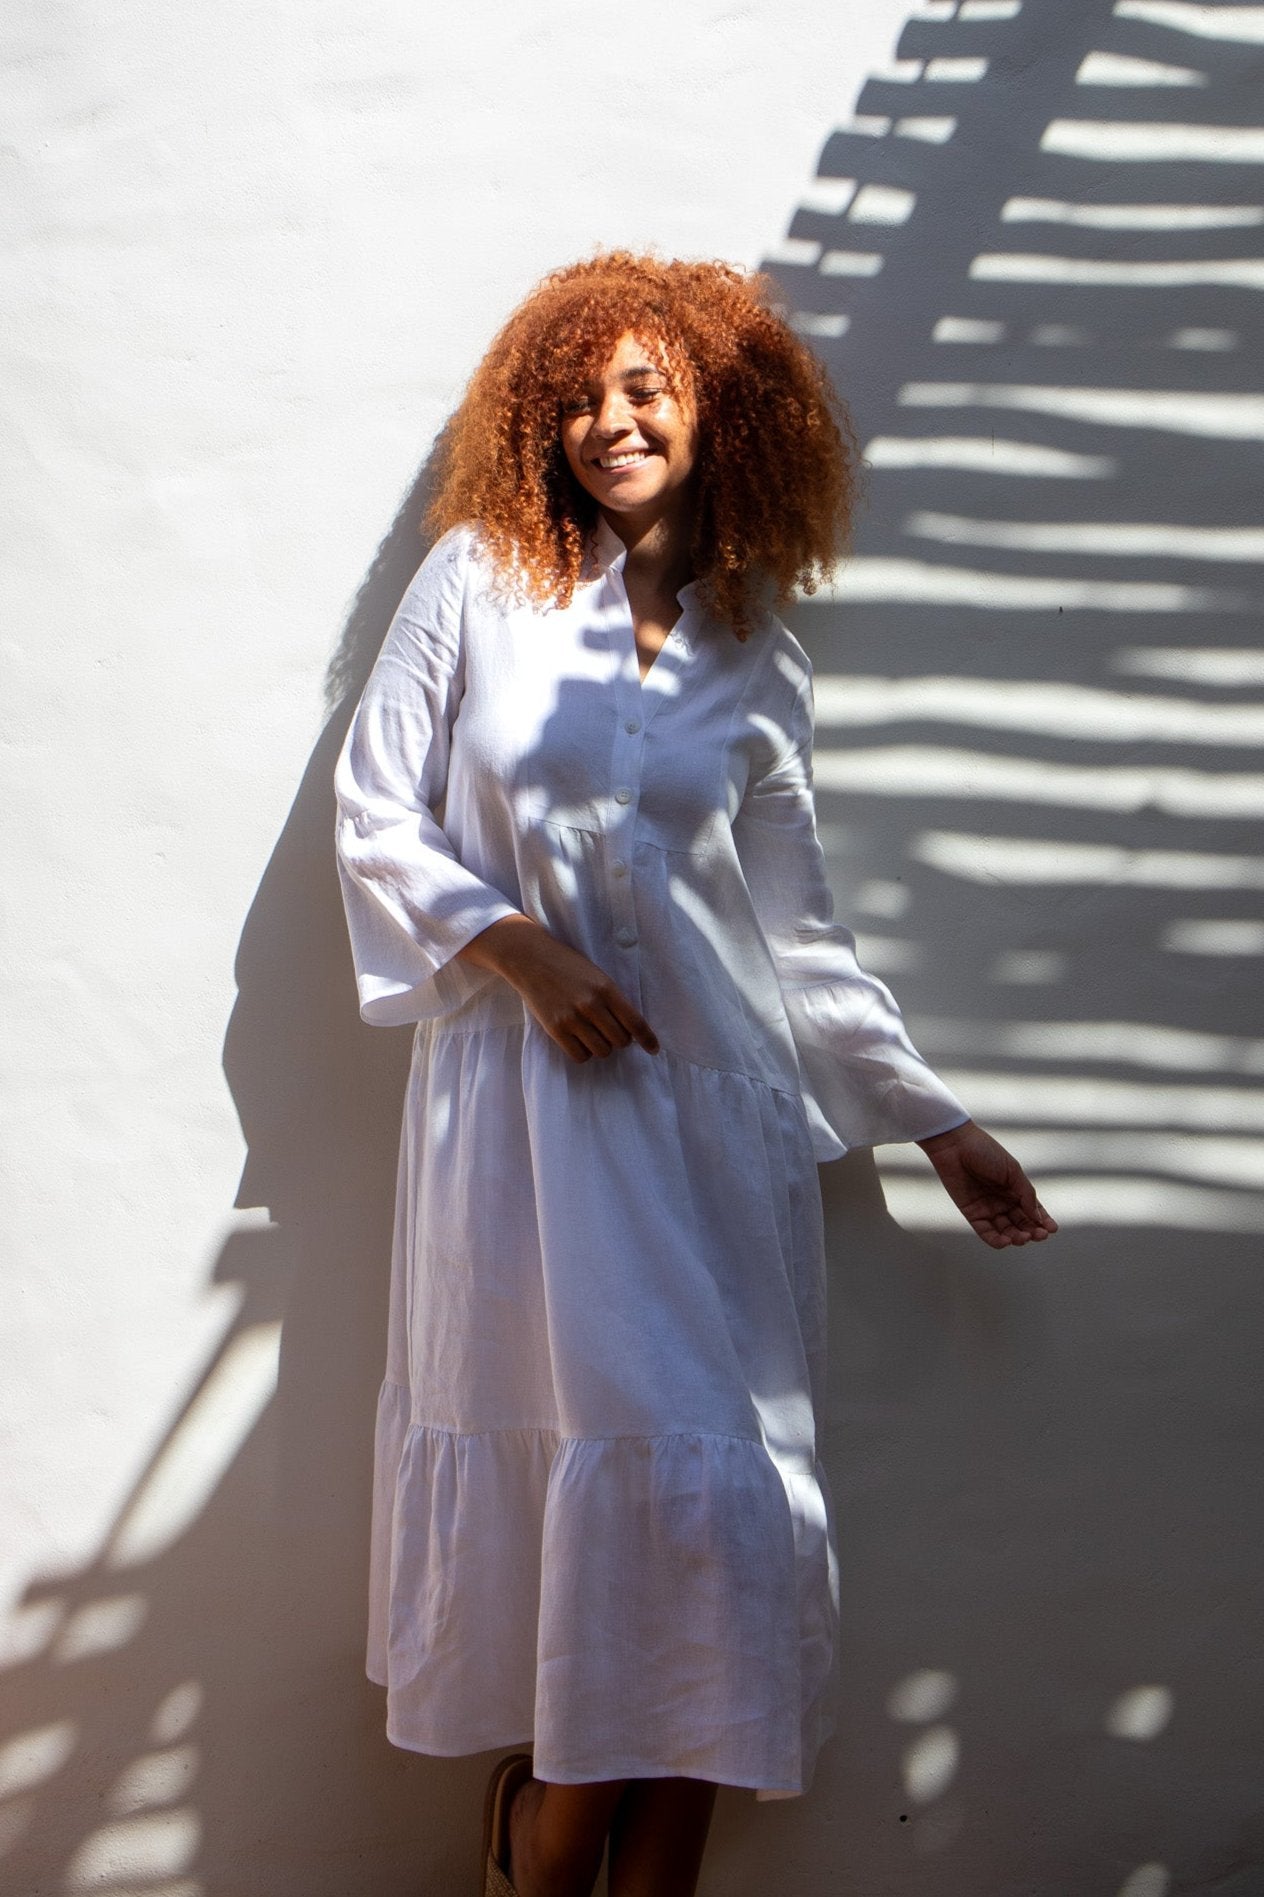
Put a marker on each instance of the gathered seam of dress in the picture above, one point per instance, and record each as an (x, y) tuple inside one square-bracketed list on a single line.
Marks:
[(439, 1030), (561, 1436)]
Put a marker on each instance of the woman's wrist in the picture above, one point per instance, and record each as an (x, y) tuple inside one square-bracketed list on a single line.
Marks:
[(498, 945), (946, 1138)]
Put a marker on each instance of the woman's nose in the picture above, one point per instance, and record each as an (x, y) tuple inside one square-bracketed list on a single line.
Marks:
[(612, 416)]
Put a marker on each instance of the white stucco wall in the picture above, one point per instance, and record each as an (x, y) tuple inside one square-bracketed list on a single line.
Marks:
[(250, 257)]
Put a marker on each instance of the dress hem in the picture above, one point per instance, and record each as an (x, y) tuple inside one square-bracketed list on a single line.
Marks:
[(598, 1774)]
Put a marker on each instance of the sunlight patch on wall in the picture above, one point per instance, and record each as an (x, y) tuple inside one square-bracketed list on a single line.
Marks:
[(1226, 417), (922, 1696), (161, 1844), (949, 71), (930, 1763), (26, 1630), (1132, 217), (924, 770), (1075, 1100), (801, 251), (983, 454), (1244, 25), (1203, 339), (1148, 1880), (1082, 712), (1118, 539), (887, 899), (1026, 860), (156, 1778), (1236, 273), (956, 72), (882, 204), (1140, 1714), (967, 329), (1106, 1199), (1229, 666), (989, 9), (929, 129), (926, 583), (1201, 935), (205, 1441), (1209, 1159), (1121, 69), (820, 323), (1115, 142), (35, 1756), (851, 263), (865, 125), (1130, 1043), (831, 196), (176, 1713), (101, 1627)]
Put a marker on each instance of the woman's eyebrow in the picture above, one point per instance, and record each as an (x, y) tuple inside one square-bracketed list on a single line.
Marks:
[(642, 369)]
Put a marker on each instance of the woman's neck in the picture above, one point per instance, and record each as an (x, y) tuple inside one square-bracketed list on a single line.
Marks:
[(658, 551)]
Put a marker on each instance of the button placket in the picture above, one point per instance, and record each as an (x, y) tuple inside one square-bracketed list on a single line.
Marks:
[(625, 793)]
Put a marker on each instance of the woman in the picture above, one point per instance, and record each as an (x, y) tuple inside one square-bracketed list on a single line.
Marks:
[(577, 847)]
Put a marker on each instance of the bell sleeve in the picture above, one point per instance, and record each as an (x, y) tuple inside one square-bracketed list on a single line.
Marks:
[(865, 1084), (411, 903)]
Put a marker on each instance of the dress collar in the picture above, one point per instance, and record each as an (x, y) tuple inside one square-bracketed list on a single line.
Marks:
[(609, 554), (608, 550)]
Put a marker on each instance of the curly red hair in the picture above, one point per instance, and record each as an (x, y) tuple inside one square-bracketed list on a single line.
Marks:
[(777, 460)]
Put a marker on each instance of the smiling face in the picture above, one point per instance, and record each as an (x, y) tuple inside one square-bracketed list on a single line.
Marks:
[(630, 441)]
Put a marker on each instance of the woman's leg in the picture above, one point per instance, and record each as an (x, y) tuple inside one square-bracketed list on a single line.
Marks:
[(658, 1835), (557, 1834)]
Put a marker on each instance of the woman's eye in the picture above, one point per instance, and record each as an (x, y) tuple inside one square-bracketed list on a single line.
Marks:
[(586, 404)]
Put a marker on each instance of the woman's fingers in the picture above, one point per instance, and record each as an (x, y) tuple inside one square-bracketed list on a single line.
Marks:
[(605, 1020), (634, 1023), (590, 1038), (574, 1000), (1010, 1222), (605, 1026), (608, 1024), (599, 1025)]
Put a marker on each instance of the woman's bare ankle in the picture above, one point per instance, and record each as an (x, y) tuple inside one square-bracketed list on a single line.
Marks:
[(557, 1835), (522, 1813)]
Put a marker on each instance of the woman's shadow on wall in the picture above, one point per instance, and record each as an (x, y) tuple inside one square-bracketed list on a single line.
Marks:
[(140, 1744)]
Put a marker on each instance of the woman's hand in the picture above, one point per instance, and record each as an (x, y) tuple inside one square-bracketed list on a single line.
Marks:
[(574, 1001), (988, 1185)]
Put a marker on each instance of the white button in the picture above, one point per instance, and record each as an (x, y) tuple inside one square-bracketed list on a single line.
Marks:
[(618, 869), (623, 795), (626, 938), (632, 726)]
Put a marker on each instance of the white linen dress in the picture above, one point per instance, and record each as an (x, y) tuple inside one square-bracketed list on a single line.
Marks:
[(600, 1524)]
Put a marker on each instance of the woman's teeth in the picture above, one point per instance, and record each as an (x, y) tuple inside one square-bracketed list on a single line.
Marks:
[(623, 460)]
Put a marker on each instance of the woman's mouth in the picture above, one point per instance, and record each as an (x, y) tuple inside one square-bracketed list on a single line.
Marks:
[(629, 458)]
